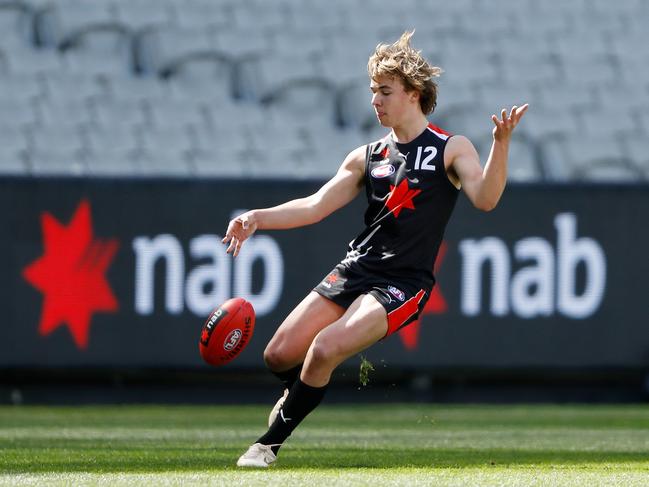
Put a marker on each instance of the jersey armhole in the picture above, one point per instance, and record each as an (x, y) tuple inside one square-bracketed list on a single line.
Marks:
[(366, 177), (446, 174)]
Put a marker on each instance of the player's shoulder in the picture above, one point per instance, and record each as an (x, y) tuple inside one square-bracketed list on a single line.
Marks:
[(437, 132), (355, 160)]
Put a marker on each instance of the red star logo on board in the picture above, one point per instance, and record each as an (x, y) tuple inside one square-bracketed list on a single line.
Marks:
[(71, 274), (331, 278), (435, 305), (401, 197)]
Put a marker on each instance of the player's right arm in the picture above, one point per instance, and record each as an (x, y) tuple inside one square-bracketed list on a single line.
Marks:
[(334, 194)]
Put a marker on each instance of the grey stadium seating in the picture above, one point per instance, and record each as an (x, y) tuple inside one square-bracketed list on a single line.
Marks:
[(251, 88)]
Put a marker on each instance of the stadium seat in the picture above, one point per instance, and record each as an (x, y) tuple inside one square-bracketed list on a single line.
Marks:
[(491, 23), (221, 151), (31, 62), (473, 121), (13, 146), (137, 89), (140, 15), (170, 140), (555, 162), (598, 121), (66, 85), (524, 70), (452, 96), (577, 68), (544, 123), (633, 67), (300, 40), (175, 113), (68, 112), (636, 150), (226, 113), (199, 14), (241, 44), (280, 150), (61, 24), (562, 97), (328, 147), (628, 96), (524, 163), (202, 73), (113, 113), (56, 139), (4, 62), (19, 112), (116, 141), (610, 171), (220, 163), (265, 77), (328, 18), (20, 88), (226, 138), (540, 26), (264, 16), (586, 151), (590, 44), (354, 104), (15, 22), (112, 163), (347, 66), (160, 50), (496, 97), (296, 97), (474, 65), (163, 164), (97, 63), (44, 164)]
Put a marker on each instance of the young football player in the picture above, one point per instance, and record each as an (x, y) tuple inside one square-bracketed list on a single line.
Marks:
[(412, 178)]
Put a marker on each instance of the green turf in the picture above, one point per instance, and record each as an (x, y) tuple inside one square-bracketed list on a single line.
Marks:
[(337, 445)]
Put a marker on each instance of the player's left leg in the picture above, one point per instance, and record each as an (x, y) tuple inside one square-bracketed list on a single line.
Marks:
[(363, 324)]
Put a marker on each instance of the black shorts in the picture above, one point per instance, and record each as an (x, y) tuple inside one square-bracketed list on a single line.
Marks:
[(402, 299)]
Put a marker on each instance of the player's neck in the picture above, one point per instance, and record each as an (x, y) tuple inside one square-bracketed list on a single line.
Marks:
[(409, 130)]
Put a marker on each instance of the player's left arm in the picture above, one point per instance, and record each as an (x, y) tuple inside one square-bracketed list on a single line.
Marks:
[(484, 187)]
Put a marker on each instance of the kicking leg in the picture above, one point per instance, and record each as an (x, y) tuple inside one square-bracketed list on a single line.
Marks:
[(363, 324), (285, 352), (288, 347)]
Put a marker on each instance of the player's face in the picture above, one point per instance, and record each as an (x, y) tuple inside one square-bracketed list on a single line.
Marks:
[(391, 101)]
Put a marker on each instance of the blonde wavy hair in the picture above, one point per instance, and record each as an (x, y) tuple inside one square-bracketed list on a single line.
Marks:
[(401, 60)]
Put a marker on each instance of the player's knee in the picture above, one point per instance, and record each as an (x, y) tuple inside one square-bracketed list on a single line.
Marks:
[(322, 350), (274, 358)]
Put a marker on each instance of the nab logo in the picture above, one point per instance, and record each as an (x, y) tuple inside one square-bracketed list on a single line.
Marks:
[(71, 274)]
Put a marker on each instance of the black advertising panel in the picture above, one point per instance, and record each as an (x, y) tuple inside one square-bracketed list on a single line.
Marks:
[(124, 273)]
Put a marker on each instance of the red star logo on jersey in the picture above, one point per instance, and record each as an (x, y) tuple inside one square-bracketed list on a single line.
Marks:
[(71, 274), (401, 197), (435, 305)]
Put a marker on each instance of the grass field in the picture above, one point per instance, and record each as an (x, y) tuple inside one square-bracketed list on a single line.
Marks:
[(338, 445)]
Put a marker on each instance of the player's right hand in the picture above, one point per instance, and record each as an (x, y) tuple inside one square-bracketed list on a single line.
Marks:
[(239, 229)]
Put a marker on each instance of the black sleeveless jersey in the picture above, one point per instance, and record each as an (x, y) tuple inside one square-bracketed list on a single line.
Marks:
[(410, 202)]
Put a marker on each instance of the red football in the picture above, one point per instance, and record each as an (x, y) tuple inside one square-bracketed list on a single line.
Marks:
[(227, 331)]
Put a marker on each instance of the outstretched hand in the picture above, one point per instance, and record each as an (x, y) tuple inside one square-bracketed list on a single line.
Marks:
[(505, 126), (239, 229)]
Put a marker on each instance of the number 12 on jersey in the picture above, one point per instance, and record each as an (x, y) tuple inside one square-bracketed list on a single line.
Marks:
[(425, 165)]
